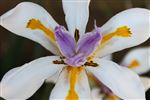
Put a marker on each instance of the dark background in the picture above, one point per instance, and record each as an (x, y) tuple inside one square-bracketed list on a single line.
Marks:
[(15, 50)]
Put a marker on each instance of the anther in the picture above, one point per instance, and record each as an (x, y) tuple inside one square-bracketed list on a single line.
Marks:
[(58, 62), (76, 35), (91, 63), (62, 57)]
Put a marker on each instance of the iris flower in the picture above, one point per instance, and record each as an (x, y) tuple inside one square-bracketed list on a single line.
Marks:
[(138, 61), (75, 52)]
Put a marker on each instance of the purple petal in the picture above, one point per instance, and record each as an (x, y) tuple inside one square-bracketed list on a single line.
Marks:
[(77, 60), (65, 42), (88, 43)]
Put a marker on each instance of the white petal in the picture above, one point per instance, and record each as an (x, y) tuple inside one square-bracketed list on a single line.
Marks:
[(137, 19), (123, 82), (22, 82), (54, 78), (146, 82), (142, 56), (76, 15), (108, 57), (16, 21), (62, 87), (96, 94)]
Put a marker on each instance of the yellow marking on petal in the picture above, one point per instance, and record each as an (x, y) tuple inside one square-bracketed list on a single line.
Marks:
[(73, 74), (134, 64), (123, 31), (36, 24), (113, 97)]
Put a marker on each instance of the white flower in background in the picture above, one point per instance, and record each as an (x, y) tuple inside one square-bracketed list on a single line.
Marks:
[(136, 60), (75, 52)]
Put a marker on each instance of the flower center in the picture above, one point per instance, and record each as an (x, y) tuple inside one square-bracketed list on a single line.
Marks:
[(88, 63), (76, 60), (76, 49)]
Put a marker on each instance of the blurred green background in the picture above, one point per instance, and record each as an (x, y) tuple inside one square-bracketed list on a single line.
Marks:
[(15, 50)]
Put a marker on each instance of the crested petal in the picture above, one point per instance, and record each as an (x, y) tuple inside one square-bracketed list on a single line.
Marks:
[(76, 15), (76, 61), (65, 41), (89, 42), (17, 19), (138, 60), (22, 82), (123, 82), (62, 87), (131, 30)]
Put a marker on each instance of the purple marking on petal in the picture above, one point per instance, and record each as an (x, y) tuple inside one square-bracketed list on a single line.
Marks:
[(88, 43), (76, 61), (66, 42)]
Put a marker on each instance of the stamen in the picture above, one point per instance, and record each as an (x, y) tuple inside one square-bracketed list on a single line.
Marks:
[(76, 35), (73, 72), (134, 64), (123, 31), (91, 63), (36, 24), (61, 57), (58, 62)]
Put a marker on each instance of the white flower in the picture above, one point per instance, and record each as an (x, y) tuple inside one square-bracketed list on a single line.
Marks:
[(33, 22)]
